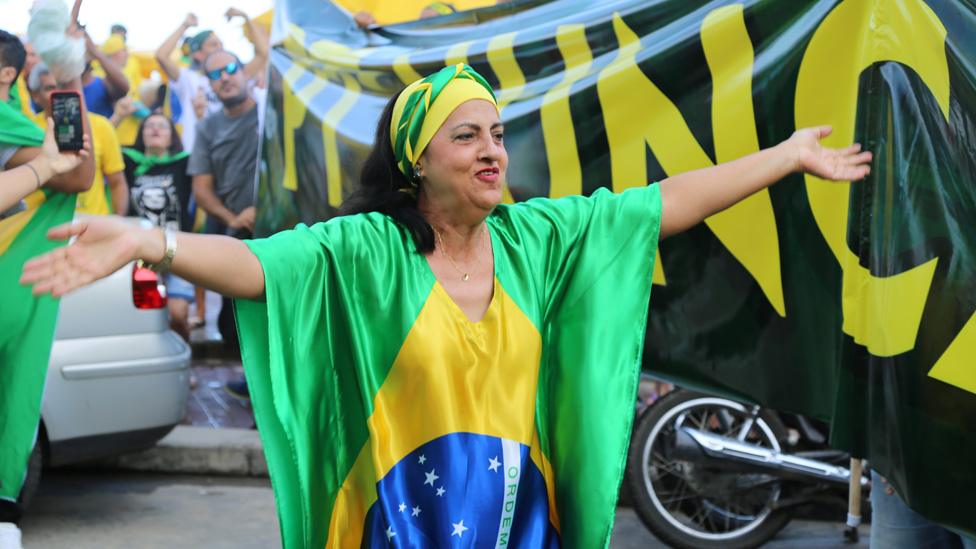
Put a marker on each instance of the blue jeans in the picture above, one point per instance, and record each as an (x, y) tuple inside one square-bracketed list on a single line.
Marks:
[(178, 288), (895, 526)]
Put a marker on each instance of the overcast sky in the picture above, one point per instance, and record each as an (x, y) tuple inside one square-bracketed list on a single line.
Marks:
[(149, 21)]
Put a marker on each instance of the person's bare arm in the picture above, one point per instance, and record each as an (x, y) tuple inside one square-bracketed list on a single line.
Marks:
[(18, 183), (105, 244), (171, 69), (260, 40), (123, 108), (119, 189), (689, 198), (28, 177), (116, 82), (77, 180)]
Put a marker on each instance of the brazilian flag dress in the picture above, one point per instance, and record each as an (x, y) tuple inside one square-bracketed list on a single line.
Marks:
[(389, 419)]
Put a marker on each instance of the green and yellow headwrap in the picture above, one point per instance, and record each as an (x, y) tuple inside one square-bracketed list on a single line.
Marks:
[(424, 105)]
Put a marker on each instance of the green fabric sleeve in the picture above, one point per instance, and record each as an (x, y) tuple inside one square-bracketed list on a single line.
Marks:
[(589, 263), (339, 299)]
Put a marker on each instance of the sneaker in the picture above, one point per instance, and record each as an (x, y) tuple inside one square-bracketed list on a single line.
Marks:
[(238, 389), (9, 536)]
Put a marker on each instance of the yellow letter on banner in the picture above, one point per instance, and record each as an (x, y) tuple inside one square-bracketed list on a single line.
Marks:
[(882, 314), (659, 124), (404, 70), (457, 53), (956, 366), (501, 57), (336, 55), (565, 173), (330, 142), (749, 229), (294, 107)]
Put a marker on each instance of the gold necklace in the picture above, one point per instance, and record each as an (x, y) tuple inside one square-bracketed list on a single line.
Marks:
[(464, 276)]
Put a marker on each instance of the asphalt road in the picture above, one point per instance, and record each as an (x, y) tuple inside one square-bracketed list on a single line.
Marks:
[(85, 509)]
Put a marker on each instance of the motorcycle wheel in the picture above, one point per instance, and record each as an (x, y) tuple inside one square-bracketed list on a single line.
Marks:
[(687, 505)]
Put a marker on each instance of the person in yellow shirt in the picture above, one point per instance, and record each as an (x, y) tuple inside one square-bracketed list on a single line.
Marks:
[(114, 47), (109, 192)]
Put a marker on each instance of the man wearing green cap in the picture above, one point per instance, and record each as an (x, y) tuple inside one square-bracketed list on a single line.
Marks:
[(190, 84)]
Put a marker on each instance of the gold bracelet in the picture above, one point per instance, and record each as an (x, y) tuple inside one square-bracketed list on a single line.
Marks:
[(36, 175), (169, 247)]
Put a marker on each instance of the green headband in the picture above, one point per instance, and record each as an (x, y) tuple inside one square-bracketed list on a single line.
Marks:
[(424, 105)]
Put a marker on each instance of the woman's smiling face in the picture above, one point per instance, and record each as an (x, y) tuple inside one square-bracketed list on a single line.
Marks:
[(464, 164)]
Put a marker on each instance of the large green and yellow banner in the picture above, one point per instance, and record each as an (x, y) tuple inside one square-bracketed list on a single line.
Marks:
[(854, 303)]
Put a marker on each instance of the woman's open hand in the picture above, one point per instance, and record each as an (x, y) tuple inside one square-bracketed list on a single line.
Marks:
[(847, 164), (103, 246)]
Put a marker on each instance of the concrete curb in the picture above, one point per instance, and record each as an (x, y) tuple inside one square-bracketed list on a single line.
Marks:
[(199, 451)]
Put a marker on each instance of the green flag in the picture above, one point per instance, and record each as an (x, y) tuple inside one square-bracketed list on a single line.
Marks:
[(386, 412), (27, 323)]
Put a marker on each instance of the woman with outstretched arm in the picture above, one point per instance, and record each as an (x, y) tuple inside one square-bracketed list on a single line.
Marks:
[(418, 361)]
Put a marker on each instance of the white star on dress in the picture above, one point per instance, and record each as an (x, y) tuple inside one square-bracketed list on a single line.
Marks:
[(431, 477), (494, 464), (389, 533), (416, 511), (403, 507), (459, 529), (440, 491), (422, 459)]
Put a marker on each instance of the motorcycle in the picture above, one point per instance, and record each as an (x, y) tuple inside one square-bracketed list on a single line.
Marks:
[(705, 471)]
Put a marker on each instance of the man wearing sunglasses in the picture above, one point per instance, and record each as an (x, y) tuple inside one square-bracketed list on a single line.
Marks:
[(189, 83), (224, 165)]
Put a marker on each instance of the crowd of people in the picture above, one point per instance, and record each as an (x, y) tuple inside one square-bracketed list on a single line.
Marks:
[(180, 152), (177, 148)]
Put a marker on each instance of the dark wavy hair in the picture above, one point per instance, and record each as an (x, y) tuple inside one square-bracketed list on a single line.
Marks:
[(382, 188), (12, 52), (175, 143)]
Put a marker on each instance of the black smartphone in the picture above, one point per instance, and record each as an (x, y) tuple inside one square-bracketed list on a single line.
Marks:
[(69, 125)]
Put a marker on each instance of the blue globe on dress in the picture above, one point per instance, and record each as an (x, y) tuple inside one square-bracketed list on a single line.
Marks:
[(462, 490)]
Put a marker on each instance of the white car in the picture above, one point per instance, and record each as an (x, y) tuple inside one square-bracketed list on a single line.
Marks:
[(118, 379)]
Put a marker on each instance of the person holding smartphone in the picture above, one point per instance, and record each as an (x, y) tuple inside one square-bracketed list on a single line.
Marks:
[(29, 177), (33, 168), (20, 142), (109, 166)]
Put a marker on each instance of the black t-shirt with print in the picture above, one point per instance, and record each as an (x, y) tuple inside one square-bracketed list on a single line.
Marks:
[(161, 195)]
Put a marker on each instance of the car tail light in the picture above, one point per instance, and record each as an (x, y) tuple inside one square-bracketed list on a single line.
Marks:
[(147, 290)]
